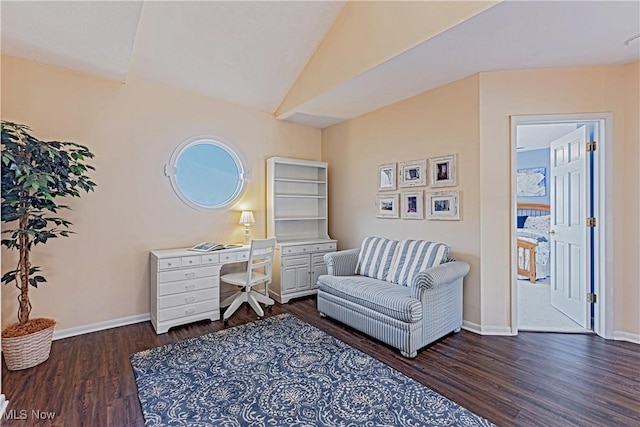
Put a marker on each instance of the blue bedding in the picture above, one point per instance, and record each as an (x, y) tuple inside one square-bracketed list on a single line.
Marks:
[(532, 235)]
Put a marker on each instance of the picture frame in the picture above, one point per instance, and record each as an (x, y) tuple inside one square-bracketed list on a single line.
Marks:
[(412, 173), (442, 171), (387, 206), (443, 205), (531, 182), (387, 174), (412, 205)]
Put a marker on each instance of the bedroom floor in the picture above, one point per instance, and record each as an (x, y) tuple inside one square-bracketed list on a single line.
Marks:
[(535, 312)]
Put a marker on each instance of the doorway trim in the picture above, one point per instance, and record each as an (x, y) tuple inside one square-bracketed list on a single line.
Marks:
[(602, 196)]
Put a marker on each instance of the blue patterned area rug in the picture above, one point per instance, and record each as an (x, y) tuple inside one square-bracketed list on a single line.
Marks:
[(281, 371)]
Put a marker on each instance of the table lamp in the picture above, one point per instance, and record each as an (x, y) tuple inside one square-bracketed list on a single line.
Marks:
[(247, 220)]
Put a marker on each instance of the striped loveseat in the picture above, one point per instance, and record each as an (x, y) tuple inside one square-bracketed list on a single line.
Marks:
[(405, 293)]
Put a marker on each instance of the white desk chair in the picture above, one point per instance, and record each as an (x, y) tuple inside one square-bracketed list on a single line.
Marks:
[(260, 258)]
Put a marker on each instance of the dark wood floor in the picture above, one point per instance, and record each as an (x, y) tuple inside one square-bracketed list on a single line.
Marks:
[(533, 379)]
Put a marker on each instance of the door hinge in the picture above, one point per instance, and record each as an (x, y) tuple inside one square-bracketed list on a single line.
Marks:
[(592, 298), (591, 221), (591, 146)]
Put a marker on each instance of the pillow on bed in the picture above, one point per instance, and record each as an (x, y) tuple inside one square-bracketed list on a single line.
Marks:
[(521, 220), (541, 224)]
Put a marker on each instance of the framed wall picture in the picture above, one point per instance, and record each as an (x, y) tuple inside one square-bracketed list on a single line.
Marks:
[(531, 182), (442, 171), (413, 173), (387, 177), (412, 205), (387, 206), (443, 205)]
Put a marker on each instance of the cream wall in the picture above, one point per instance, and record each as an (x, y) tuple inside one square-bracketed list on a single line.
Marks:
[(471, 117), (557, 91), (101, 273), (439, 122)]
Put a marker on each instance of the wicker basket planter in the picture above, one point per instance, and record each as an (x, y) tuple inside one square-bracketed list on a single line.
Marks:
[(28, 350)]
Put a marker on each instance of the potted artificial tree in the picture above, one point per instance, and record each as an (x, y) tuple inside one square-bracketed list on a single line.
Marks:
[(34, 175)]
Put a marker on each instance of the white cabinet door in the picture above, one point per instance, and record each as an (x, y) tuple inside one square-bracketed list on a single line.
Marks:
[(318, 268), (295, 273)]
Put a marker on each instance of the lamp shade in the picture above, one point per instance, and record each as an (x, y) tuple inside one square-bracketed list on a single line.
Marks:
[(247, 218)]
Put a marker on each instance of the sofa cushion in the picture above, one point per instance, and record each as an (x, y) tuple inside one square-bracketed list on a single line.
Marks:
[(379, 295), (376, 255), (414, 256)]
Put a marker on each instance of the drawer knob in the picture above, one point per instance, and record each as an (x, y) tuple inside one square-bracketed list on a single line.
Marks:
[(190, 299), (189, 287), (190, 311), (190, 262), (169, 264), (189, 274)]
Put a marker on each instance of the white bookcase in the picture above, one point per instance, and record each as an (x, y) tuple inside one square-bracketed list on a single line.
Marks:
[(297, 214)]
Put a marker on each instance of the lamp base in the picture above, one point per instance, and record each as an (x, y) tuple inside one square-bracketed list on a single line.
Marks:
[(247, 235)]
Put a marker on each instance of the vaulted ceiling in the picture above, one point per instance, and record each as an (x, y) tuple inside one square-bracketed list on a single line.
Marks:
[(254, 52)]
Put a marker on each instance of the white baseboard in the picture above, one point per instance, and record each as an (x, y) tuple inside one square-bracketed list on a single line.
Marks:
[(100, 326), (3, 405), (626, 336), (497, 330), (471, 327), (486, 330)]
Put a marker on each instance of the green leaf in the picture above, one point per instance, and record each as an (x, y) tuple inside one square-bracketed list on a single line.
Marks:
[(9, 276), (36, 175)]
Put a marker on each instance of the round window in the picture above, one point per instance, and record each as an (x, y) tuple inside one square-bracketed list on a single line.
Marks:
[(206, 173)]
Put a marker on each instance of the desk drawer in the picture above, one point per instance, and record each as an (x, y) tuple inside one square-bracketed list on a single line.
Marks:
[(290, 250), (210, 259), (187, 274), (168, 263), (187, 310), (188, 286), (305, 249), (328, 246), (190, 261), (229, 257), (319, 247), (188, 298)]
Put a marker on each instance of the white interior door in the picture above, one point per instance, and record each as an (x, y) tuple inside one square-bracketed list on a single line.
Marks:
[(568, 234)]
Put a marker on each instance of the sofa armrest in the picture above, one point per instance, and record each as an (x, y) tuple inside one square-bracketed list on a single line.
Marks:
[(342, 263), (438, 275)]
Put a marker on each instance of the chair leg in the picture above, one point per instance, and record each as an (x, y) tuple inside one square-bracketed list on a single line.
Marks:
[(234, 305), (227, 301), (251, 299), (262, 298)]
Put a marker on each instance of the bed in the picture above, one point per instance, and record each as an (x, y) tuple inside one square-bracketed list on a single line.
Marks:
[(533, 240)]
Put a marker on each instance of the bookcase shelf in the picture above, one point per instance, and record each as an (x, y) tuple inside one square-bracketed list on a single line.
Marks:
[(297, 217), (300, 181), (300, 196)]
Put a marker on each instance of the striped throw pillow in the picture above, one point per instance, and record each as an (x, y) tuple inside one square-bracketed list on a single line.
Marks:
[(415, 256), (375, 257)]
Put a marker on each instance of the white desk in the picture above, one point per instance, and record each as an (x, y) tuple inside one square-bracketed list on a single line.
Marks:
[(185, 285)]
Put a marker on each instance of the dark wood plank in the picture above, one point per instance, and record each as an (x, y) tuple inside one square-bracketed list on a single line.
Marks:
[(533, 379)]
